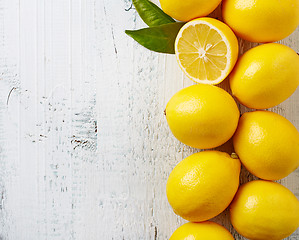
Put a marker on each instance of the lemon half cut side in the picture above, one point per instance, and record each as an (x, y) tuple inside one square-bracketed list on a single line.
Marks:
[(206, 50)]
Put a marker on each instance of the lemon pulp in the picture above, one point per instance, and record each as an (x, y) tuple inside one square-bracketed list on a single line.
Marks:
[(206, 50)]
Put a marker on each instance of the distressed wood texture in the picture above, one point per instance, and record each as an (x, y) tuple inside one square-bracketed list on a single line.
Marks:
[(85, 150)]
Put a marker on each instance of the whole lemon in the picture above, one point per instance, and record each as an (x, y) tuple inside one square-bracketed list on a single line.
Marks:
[(201, 231), (202, 185), (267, 144), (202, 116), (265, 76), (261, 20), (188, 9), (264, 210)]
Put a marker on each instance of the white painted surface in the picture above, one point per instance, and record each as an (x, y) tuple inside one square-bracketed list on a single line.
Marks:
[(85, 150)]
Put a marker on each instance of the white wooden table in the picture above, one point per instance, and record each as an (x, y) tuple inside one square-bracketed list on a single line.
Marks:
[(85, 150)]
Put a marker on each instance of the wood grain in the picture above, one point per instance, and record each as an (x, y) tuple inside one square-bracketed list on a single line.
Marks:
[(85, 150)]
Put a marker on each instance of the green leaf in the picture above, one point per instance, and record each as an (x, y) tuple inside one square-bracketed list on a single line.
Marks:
[(151, 14), (159, 39)]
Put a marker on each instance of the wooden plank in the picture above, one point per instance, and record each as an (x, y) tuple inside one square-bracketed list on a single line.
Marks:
[(49, 123)]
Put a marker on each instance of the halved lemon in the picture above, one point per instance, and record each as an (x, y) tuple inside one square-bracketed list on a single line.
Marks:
[(206, 50)]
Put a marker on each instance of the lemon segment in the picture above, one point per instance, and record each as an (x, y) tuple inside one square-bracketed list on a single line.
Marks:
[(206, 50)]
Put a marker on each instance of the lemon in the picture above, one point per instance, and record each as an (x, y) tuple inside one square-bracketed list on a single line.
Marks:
[(265, 76), (201, 231), (188, 9), (202, 116), (202, 185), (206, 50), (264, 210), (261, 20), (267, 144)]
